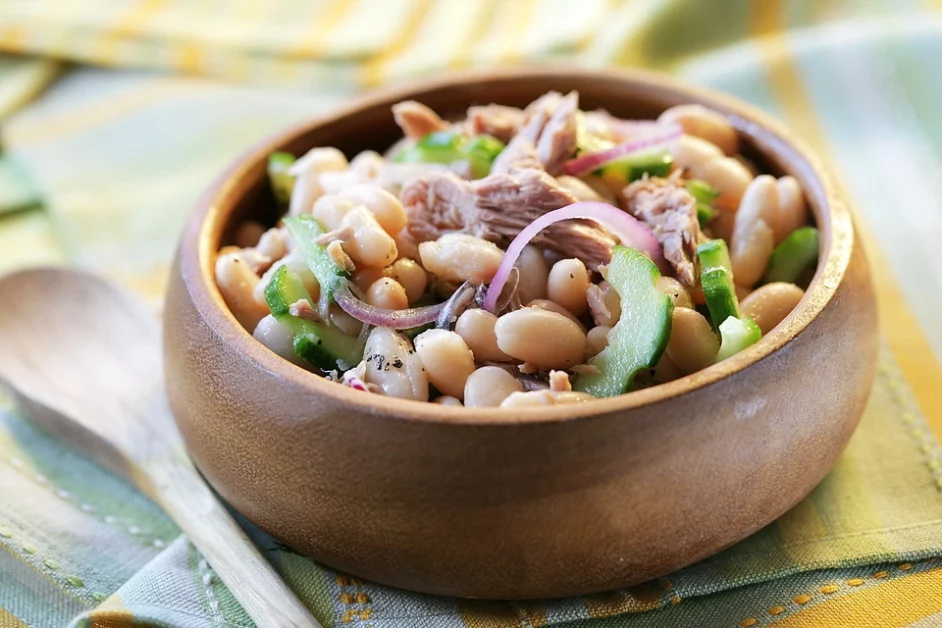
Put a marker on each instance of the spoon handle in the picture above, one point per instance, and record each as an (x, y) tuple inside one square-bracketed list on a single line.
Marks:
[(180, 491)]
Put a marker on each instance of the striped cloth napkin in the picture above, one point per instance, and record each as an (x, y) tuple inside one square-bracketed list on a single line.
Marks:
[(101, 164)]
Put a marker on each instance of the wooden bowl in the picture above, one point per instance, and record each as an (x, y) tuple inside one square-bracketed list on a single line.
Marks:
[(533, 502)]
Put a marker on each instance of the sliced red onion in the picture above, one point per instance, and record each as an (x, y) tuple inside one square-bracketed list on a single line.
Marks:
[(630, 231), (382, 317), (593, 161)]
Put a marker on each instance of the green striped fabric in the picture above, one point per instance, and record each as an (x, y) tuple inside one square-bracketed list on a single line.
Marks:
[(100, 165)]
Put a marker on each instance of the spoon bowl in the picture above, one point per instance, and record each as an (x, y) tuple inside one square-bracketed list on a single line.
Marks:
[(83, 359)]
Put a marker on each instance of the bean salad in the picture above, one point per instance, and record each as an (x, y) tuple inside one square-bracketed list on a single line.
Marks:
[(522, 257)]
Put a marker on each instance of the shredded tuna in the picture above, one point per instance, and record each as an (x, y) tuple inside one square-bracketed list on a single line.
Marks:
[(416, 120), (497, 208), (550, 124), (495, 120), (519, 154), (671, 212), (339, 256)]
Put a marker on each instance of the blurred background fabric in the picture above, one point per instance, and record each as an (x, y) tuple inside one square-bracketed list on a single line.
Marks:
[(114, 116)]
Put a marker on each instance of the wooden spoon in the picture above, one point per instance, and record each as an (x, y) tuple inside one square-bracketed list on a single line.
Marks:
[(83, 357)]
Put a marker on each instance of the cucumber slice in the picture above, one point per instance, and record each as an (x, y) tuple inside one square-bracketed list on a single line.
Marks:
[(716, 279), (655, 163), (702, 191), (736, 334), (705, 214), (305, 229), (794, 257), (322, 345), (481, 151), (282, 183), (640, 335)]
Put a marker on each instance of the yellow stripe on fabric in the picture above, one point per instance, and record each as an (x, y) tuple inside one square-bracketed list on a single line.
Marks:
[(130, 24), (7, 620), (40, 573), (889, 604), (374, 72), (899, 326), (12, 37), (476, 614), (314, 37), (95, 113)]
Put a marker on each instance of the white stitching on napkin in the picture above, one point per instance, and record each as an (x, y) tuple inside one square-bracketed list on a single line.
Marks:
[(206, 575)]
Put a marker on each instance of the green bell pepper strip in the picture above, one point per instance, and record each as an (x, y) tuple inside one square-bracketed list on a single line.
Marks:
[(716, 279), (305, 230), (704, 194), (736, 334), (622, 171), (281, 182), (447, 147), (320, 344), (641, 333), (792, 260)]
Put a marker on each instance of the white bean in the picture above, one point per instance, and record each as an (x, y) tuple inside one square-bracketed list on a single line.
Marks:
[(534, 272), (237, 281), (308, 171), (385, 207), (729, 177), (476, 326), (278, 338), (750, 253), (675, 290), (692, 153), (330, 210), (273, 243), (544, 398), (692, 344), (460, 257), (366, 276), (759, 202), (488, 386), (447, 359), (567, 285), (793, 210), (553, 306), (412, 277), (387, 293), (447, 400), (704, 123), (369, 245), (768, 305), (394, 366), (543, 339)]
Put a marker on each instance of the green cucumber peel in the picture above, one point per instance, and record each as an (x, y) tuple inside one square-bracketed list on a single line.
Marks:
[(795, 258), (736, 334), (639, 337)]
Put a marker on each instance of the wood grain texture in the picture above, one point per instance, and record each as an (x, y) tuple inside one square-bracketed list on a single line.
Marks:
[(535, 502), (84, 359)]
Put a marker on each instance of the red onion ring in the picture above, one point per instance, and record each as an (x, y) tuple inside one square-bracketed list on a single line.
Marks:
[(630, 231), (587, 163), (382, 317)]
